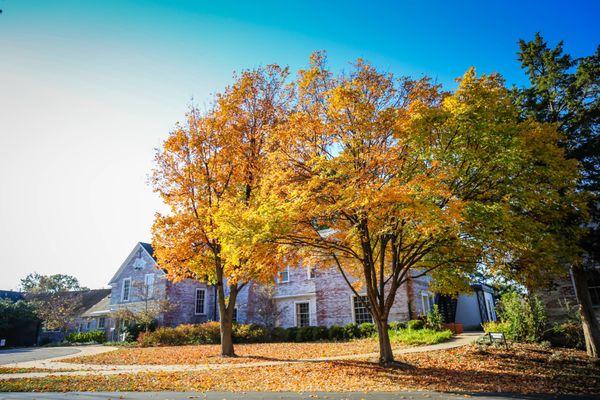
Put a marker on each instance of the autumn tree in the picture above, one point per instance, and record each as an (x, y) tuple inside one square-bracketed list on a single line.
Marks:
[(389, 179), (57, 298), (206, 172), (565, 91)]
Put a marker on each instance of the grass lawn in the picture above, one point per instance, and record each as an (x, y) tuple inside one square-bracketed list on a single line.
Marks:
[(419, 337), (255, 352), (13, 370), (521, 369)]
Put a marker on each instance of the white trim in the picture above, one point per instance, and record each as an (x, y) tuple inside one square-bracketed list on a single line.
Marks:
[(296, 312), (203, 312), (310, 270), (424, 294), (352, 296), (149, 288), (291, 296), (128, 279)]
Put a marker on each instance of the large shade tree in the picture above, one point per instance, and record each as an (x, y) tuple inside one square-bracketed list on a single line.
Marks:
[(565, 91), (206, 171), (389, 179)]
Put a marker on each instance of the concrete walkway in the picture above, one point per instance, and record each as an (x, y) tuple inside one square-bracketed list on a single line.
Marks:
[(93, 369)]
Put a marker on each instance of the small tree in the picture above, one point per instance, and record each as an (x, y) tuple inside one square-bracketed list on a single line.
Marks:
[(266, 312), (207, 172), (57, 297)]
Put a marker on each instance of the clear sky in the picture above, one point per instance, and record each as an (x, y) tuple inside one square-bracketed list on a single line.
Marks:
[(89, 88)]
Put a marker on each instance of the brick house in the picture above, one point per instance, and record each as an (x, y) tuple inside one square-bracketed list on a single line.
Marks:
[(299, 296), (559, 297)]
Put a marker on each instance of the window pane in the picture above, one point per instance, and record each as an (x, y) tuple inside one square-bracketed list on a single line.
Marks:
[(200, 301), (302, 314), (126, 287), (361, 314)]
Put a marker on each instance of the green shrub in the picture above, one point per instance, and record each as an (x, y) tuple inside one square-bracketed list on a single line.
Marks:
[(132, 331), (336, 332), (415, 324), (417, 337), (526, 319), (496, 326), (435, 320), (350, 331), (87, 337), (366, 329), (567, 334), (279, 334), (320, 333), (243, 333), (397, 325), (292, 334)]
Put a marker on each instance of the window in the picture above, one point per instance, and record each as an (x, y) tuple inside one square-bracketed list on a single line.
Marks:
[(284, 276), (200, 301), (234, 318), (101, 323), (361, 313), (594, 286), (126, 289), (310, 271), (426, 302), (88, 325), (149, 285), (302, 314)]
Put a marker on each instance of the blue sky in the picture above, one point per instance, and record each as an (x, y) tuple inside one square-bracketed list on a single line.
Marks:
[(89, 89)]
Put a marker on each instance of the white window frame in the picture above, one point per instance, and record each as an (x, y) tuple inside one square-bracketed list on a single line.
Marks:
[(352, 297), (280, 274), (310, 272), (149, 287), (426, 305), (296, 312), (203, 311), (103, 325), (123, 299)]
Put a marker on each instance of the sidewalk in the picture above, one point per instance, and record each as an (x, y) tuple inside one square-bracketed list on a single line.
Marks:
[(93, 369)]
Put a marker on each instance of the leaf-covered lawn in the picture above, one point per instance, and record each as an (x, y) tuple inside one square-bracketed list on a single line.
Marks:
[(522, 369), (419, 337), (210, 354), (13, 370)]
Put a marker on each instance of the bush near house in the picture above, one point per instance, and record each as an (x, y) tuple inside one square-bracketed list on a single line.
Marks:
[(208, 333), (524, 320), (87, 337)]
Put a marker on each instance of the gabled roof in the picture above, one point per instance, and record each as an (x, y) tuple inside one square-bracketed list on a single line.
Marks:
[(102, 307), (139, 245), (87, 298), (149, 249)]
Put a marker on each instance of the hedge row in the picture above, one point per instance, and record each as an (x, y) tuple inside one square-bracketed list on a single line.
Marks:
[(209, 333), (87, 337)]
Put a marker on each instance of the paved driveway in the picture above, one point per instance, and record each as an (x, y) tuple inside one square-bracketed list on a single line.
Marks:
[(11, 356)]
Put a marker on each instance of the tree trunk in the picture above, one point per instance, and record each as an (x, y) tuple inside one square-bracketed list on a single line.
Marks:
[(227, 338), (386, 356), (226, 313), (589, 322)]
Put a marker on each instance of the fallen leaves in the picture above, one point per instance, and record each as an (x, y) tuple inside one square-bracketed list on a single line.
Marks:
[(210, 354), (521, 369)]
